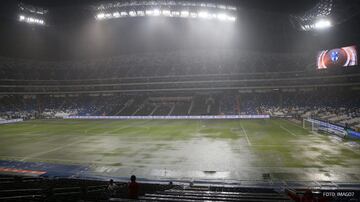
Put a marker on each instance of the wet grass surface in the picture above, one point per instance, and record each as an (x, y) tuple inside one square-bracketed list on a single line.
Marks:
[(242, 149)]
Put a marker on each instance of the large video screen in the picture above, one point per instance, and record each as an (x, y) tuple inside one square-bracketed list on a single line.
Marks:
[(338, 57)]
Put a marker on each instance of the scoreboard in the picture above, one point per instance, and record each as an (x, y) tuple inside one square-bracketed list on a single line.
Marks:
[(338, 57)]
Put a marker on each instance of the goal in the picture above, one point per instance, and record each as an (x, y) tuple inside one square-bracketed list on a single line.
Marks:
[(325, 127)]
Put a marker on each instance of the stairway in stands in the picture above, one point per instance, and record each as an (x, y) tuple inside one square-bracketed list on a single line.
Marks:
[(199, 193)]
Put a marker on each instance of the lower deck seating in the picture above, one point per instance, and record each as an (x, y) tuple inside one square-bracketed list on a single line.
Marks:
[(15, 188), (197, 193)]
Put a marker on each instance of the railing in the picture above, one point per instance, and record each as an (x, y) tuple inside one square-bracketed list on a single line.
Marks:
[(10, 121), (171, 117)]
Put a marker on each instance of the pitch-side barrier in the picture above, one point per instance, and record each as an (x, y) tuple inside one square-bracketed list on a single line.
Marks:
[(171, 117), (10, 121), (332, 128)]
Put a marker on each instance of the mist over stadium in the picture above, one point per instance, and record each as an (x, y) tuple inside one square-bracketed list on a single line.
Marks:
[(214, 100)]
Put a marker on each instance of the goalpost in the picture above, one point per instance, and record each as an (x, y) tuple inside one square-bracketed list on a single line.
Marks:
[(309, 124), (321, 126)]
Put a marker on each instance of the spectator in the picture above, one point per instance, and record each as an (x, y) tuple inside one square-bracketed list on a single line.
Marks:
[(112, 188), (133, 188), (308, 196)]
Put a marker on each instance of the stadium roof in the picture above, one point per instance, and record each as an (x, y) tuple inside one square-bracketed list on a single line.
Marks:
[(283, 6), (70, 26)]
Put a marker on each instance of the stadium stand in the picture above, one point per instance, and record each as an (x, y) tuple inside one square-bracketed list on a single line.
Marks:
[(183, 63), (22, 188), (342, 110), (16, 188), (277, 105)]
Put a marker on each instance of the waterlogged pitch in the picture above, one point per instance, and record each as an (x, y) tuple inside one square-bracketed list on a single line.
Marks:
[(184, 149)]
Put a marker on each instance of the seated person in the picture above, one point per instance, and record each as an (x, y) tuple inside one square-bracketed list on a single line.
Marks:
[(308, 196), (112, 188)]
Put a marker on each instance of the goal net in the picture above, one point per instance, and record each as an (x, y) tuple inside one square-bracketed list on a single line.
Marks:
[(324, 127)]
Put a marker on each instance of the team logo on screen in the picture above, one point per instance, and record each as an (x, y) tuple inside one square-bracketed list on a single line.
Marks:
[(335, 56), (340, 57)]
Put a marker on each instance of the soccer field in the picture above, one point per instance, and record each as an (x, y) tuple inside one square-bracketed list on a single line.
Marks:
[(184, 149)]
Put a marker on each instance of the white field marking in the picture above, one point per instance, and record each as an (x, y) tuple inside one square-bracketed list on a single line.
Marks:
[(351, 149), (287, 130), (272, 145), (125, 127), (285, 168), (247, 137), (51, 150), (293, 123), (135, 164), (86, 131), (236, 130), (129, 126), (344, 145), (77, 161)]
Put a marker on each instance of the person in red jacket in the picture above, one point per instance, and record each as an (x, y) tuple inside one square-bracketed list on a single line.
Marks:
[(133, 188)]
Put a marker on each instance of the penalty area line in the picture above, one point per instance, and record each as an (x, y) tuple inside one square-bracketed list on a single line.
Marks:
[(287, 130), (292, 123), (247, 137), (34, 155)]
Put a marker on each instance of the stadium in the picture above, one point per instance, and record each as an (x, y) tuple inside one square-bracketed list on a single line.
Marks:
[(214, 100)]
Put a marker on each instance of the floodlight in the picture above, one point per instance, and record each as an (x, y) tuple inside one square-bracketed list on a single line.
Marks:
[(193, 15), (166, 13), (141, 13), (322, 24), (185, 14), (156, 12), (222, 7), (123, 14), (204, 15), (31, 20), (165, 9), (175, 13), (231, 18), (149, 12), (132, 14), (222, 16), (116, 15), (100, 16), (21, 18)]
